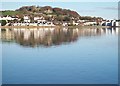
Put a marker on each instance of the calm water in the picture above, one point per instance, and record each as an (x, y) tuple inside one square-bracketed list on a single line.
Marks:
[(57, 56)]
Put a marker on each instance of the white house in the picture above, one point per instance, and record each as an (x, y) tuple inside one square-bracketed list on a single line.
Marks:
[(40, 20), (83, 21), (90, 23), (117, 23), (26, 19), (7, 18), (36, 18), (75, 23)]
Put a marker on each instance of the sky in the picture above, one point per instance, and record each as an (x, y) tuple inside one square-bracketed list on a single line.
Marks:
[(107, 10)]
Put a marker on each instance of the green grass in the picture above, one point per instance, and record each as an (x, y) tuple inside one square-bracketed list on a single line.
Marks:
[(11, 13)]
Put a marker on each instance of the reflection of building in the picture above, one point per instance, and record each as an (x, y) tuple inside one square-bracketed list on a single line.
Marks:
[(50, 36), (7, 35)]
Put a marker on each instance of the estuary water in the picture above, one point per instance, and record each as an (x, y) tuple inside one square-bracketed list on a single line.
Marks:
[(60, 56)]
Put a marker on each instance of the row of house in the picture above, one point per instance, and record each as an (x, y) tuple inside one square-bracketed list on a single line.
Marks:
[(40, 21), (110, 23), (103, 23), (8, 18), (33, 24)]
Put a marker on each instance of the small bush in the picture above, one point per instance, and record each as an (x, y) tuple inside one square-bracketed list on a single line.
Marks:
[(3, 22)]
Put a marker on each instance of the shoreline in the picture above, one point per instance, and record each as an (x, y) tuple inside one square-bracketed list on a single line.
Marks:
[(55, 27)]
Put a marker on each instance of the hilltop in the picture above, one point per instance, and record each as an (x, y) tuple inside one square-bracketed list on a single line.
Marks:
[(47, 10)]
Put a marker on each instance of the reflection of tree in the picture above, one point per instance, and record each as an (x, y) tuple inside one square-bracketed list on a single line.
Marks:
[(56, 37), (50, 36)]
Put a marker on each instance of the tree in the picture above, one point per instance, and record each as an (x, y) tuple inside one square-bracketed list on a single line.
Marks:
[(3, 22), (66, 18), (15, 20), (22, 19)]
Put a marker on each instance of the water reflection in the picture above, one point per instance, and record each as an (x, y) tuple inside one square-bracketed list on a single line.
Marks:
[(51, 36)]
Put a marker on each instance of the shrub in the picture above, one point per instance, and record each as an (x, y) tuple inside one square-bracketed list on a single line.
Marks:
[(3, 22)]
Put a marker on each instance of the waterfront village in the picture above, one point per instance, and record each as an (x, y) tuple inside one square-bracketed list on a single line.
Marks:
[(49, 16), (40, 21)]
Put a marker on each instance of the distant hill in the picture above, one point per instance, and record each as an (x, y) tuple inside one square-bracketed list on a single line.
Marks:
[(47, 10), (49, 13)]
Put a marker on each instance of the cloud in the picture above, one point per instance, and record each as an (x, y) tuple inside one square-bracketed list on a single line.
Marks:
[(110, 8)]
